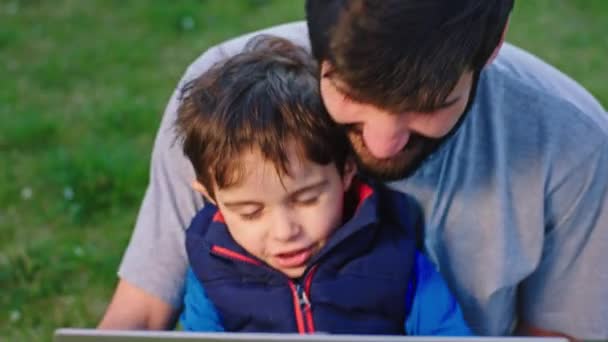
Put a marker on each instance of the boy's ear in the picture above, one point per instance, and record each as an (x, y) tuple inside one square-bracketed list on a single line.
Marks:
[(200, 188), (350, 169)]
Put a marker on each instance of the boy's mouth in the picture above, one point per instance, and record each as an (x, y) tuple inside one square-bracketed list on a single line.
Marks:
[(294, 259)]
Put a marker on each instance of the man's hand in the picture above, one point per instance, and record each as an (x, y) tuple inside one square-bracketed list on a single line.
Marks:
[(524, 329), (133, 308)]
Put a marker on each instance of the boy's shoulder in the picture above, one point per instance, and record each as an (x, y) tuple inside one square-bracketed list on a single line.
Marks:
[(398, 208), (203, 218)]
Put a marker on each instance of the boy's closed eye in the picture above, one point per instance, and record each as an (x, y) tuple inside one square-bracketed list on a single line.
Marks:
[(246, 210), (251, 213), (309, 195), (250, 216), (306, 199)]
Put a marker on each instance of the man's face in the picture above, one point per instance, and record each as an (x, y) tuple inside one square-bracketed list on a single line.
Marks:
[(390, 146), (284, 220)]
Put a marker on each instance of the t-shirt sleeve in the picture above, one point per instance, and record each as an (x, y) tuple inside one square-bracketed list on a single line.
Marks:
[(434, 310), (199, 313), (155, 259), (568, 290)]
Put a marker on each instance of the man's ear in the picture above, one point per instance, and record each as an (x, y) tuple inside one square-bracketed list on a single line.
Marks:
[(497, 49), (200, 188), (350, 169)]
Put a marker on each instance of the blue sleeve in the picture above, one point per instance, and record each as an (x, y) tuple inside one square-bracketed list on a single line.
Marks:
[(434, 309), (199, 313)]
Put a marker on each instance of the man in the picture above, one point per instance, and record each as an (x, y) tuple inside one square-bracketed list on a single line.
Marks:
[(505, 157)]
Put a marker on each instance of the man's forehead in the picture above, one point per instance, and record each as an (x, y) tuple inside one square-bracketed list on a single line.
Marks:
[(422, 100)]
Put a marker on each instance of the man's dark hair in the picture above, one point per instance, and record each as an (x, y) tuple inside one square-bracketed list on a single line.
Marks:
[(404, 54), (264, 98)]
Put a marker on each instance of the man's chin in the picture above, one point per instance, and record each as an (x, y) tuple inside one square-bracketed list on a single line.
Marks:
[(399, 166), (386, 170)]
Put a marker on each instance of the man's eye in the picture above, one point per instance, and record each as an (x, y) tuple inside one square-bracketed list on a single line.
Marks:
[(348, 98), (251, 216)]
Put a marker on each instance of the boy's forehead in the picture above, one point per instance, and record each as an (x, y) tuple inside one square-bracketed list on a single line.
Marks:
[(255, 166), (258, 173)]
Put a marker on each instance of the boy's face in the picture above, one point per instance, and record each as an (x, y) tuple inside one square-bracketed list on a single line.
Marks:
[(286, 220)]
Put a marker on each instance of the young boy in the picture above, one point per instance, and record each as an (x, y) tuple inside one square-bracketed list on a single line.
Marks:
[(292, 241)]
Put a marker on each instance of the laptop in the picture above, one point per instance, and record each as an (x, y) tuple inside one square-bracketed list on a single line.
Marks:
[(92, 335)]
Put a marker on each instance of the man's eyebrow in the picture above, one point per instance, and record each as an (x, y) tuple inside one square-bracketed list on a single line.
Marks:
[(341, 89), (433, 109), (328, 74), (448, 103)]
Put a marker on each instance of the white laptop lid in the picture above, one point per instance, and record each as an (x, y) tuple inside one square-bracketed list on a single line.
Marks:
[(92, 335)]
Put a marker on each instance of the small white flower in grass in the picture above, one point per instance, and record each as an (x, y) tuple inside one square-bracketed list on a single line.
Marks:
[(14, 316), (69, 300), (78, 251), (68, 193), (187, 23), (140, 100), (12, 8), (27, 193)]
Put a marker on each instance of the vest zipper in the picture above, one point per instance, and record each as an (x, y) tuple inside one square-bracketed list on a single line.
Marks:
[(300, 291), (301, 303)]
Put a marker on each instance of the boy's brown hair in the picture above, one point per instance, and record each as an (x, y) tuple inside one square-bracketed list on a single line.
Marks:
[(263, 98)]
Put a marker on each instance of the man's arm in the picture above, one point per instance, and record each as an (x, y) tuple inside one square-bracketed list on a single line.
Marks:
[(133, 308), (524, 329), (566, 294), (149, 293)]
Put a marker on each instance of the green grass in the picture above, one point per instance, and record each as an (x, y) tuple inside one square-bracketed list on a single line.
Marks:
[(83, 86)]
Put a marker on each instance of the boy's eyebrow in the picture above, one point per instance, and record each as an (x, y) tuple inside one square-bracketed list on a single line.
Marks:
[(306, 188), (296, 193), (241, 203)]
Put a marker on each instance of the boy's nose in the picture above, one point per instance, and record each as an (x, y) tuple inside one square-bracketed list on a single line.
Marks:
[(285, 227)]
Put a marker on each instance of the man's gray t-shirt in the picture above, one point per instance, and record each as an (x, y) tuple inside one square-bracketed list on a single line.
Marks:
[(514, 204)]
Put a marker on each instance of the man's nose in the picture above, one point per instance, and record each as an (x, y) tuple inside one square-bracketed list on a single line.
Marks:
[(385, 140)]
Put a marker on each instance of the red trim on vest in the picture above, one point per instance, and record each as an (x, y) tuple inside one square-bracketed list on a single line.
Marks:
[(363, 191), (296, 308), (218, 217), (234, 255), (307, 285)]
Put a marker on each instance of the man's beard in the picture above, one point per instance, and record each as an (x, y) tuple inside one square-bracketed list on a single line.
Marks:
[(398, 166), (408, 160)]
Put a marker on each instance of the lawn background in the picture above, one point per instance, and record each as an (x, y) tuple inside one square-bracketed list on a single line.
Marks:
[(83, 85)]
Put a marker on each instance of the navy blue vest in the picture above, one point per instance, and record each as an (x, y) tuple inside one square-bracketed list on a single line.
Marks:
[(361, 282)]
